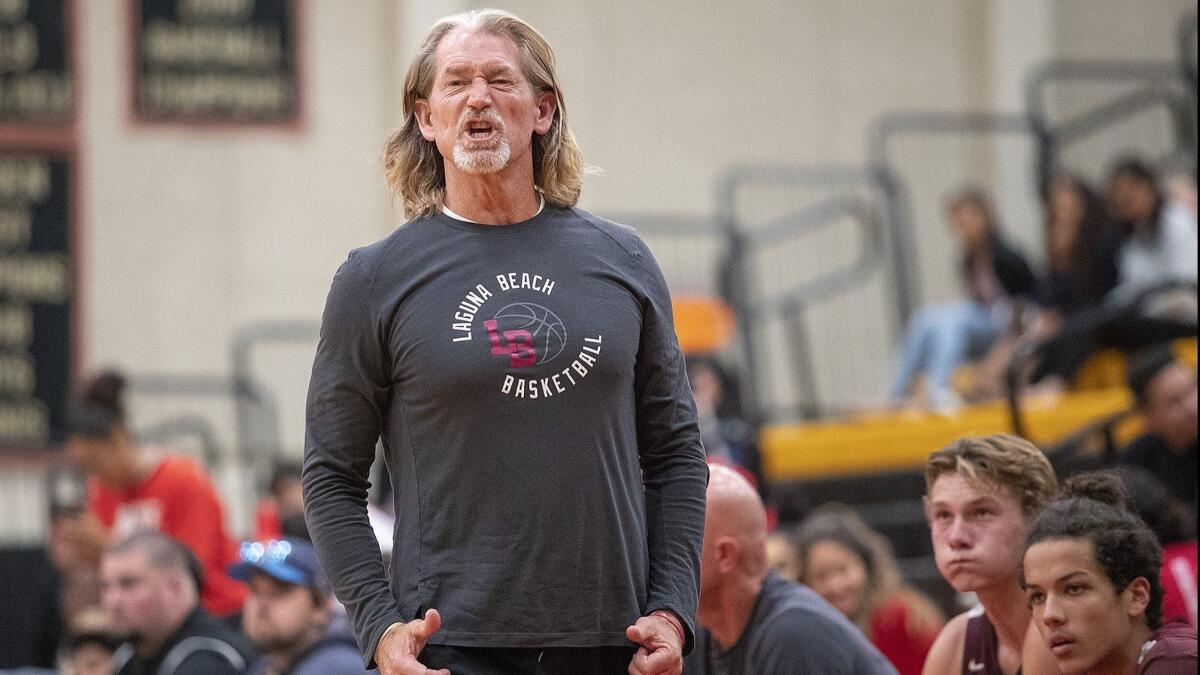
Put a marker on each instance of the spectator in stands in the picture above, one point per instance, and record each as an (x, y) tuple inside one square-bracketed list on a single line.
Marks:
[(754, 622), (284, 501), (1081, 250), (1091, 575), (132, 489), (853, 568), (982, 494), (1165, 392), (940, 338), (289, 614), (1174, 525), (150, 595), (1161, 237), (726, 436)]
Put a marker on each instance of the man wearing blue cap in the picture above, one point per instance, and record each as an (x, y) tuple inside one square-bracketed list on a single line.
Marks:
[(289, 613)]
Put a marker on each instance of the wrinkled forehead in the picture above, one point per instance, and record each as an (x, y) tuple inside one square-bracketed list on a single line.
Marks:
[(475, 46)]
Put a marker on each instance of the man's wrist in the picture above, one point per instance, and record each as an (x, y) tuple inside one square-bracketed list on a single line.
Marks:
[(386, 632), (673, 619)]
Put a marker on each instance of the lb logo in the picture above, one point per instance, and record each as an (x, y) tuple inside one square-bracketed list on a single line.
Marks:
[(526, 334)]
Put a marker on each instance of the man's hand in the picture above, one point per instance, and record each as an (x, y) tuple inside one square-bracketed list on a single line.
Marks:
[(661, 645), (397, 652)]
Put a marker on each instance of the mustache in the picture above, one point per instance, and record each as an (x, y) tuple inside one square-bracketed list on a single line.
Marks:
[(486, 115)]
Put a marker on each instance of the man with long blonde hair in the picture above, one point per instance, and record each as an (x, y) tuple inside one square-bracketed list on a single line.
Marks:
[(517, 355)]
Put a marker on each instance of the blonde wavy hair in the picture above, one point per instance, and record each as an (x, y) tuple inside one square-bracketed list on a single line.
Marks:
[(413, 166), (999, 460)]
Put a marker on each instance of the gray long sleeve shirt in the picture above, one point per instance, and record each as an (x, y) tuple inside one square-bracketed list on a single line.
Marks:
[(537, 425)]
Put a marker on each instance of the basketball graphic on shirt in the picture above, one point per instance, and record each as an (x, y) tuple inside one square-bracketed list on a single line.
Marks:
[(546, 330)]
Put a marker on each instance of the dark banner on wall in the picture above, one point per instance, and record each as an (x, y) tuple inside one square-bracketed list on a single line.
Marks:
[(36, 296), (35, 66), (215, 62)]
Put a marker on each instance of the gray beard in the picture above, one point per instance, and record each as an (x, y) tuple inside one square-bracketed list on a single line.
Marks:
[(482, 161)]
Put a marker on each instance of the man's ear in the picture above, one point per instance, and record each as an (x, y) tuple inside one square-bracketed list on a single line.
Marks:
[(729, 553), (1137, 597), (424, 119), (547, 105)]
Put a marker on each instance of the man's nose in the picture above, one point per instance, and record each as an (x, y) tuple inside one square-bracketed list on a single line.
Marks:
[(480, 95), (958, 535), (1052, 614)]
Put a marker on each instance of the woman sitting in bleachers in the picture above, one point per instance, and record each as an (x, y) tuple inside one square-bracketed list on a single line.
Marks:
[(939, 338), (852, 567)]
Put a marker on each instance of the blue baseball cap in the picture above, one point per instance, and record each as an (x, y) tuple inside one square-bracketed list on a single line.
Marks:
[(290, 560)]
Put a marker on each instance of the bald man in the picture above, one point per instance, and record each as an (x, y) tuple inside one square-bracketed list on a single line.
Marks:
[(753, 622)]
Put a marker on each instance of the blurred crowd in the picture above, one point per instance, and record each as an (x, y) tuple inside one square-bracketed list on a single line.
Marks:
[(1120, 270), (151, 581)]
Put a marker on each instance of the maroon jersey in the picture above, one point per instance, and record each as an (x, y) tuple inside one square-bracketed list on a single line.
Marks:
[(980, 646), (1170, 651)]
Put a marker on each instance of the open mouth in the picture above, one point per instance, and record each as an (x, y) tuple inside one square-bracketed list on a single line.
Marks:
[(480, 130)]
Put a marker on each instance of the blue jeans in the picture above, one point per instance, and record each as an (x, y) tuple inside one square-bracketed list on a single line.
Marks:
[(939, 339)]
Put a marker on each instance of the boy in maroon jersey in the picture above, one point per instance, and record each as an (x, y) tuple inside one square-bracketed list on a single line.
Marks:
[(1091, 573)]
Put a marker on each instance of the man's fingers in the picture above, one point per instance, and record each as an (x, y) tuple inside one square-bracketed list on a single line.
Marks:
[(638, 665), (429, 625), (660, 660), (636, 633)]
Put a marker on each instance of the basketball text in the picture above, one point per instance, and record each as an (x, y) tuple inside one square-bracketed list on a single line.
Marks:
[(546, 387)]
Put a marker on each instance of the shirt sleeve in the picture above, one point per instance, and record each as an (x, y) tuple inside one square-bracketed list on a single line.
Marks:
[(347, 397), (674, 472)]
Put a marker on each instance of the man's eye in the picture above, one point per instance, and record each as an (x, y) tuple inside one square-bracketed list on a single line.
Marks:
[(1036, 598), (1074, 589)]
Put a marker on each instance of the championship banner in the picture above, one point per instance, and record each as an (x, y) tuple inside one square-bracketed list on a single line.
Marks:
[(215, 62), (35, 64), (37, 296)]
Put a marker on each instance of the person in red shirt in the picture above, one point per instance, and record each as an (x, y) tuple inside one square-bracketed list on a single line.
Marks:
[(131, 489), (1091, 575), (853, 568)]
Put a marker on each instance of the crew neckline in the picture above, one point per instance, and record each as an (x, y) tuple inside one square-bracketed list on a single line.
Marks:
[(446, 210), (453, 220)]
